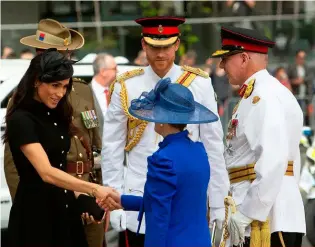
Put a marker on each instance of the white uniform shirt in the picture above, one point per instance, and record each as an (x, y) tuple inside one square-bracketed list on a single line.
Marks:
[(268, 134), (99, 92), (115, 133)]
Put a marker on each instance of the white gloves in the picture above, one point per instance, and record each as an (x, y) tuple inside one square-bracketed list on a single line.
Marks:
[(238, 223), (118, 220), (216, 214)]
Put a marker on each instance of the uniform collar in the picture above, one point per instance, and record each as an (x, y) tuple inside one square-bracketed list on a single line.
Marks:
[(242, 90), (170, 138), (171, 73)]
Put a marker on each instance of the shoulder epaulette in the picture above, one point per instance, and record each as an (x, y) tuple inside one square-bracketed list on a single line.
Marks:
[(125, 76), (76, 79), (196, 71), (129, 74)]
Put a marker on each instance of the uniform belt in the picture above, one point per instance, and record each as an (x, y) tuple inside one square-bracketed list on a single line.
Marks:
[(79, 167), (247, 172)]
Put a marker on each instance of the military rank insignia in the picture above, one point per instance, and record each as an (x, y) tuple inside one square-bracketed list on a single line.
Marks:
[(90, 119), (255, 100), (249, 88), (232, 129)]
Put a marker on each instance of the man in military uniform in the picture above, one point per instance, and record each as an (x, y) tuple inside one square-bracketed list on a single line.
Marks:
[(262, 155), (51, 34), (137, 139)]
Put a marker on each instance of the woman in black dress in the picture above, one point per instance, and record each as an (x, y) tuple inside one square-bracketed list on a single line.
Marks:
[(44, 212)]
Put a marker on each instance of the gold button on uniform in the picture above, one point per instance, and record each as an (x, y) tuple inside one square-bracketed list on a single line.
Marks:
[(81, 155)]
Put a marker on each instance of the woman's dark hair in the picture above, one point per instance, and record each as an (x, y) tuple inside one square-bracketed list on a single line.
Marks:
[(180, 127), (47, 67)]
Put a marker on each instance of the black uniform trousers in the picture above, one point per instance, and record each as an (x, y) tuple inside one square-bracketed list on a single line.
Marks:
[(282, 239), (133, 240)]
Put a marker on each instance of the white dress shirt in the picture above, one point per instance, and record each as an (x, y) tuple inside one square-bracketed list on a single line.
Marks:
[(99, 92)]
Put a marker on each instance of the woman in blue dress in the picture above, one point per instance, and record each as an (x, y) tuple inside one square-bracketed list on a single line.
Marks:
[(175, 193)]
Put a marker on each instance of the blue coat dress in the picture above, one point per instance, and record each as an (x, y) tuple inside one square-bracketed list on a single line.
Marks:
[(175, 194)]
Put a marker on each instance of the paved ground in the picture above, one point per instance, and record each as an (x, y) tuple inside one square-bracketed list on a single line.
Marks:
[(306, 243)]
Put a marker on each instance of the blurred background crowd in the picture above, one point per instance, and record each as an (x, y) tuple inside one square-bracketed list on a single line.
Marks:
[(108, 26), (112, 38)]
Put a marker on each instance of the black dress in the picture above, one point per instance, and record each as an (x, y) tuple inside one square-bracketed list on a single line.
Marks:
[(42, 215)]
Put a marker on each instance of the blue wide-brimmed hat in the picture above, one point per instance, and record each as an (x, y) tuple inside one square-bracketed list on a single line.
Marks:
[(170, 103)]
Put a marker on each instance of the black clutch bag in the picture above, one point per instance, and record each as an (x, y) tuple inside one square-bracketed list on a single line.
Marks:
[(87, 204)]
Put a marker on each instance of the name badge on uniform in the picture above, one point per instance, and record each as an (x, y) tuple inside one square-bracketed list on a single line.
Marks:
[(90, 119)]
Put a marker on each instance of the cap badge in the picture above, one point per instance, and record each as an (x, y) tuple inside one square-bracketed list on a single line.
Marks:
[(160, 29), (66, 41)]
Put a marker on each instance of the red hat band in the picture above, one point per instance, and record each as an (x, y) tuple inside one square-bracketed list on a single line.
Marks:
[(160, 30), (247, 46)]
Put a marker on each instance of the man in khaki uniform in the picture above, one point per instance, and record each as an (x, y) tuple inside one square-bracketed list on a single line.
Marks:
[(51, 34)]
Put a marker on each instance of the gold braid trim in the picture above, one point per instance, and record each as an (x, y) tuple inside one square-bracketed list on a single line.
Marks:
[(137, 136), (255, 235), (196, 71), (260, 234), (281, 239), (228, 202), (124, 104), (260, 231), (111, 89), (123, 77)]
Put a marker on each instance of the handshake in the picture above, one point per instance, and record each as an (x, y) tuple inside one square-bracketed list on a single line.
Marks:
[(107, 198)]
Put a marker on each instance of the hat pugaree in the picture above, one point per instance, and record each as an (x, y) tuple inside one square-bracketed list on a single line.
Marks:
[(52, 34), (160, 31), (235, 40)]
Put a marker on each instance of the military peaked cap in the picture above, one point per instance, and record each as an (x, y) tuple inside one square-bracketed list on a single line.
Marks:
[(160, 31), (235, 40)]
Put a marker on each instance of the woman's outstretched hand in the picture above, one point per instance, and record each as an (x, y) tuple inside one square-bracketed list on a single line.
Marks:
[(111, 201)]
